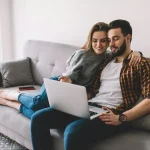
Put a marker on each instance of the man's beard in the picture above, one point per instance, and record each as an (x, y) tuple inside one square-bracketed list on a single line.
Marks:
[(121, 50)]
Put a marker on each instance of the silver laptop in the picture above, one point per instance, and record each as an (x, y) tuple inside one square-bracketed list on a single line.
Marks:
[(71, 99)]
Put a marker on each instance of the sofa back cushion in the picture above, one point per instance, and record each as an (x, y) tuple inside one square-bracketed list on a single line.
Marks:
[(47, 58)]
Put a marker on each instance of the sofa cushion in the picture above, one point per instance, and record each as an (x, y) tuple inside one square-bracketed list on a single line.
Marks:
[(48, 59), (142, 122), (16, 73)]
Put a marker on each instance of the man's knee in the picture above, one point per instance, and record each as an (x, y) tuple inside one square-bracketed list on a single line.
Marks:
[(69, 137), (72, 137), (35, 119)]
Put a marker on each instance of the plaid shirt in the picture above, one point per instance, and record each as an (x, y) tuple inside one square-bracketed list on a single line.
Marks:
[(134, 81)]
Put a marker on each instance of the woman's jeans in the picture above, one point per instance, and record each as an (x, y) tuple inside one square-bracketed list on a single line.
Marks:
[(31, 103), (79, 134)]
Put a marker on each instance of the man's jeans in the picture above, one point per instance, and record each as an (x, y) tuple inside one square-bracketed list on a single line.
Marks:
[(30, 104), (79, 134)]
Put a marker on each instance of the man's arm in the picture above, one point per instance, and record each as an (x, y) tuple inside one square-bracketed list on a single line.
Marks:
[(139, 110)]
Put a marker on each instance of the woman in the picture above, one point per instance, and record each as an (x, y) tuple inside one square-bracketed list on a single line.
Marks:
[(81, 70)]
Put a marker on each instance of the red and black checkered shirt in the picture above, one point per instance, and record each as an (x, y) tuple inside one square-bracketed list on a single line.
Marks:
[(134, 82)]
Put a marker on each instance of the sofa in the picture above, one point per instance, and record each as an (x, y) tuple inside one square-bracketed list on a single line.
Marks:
[(49, 59)]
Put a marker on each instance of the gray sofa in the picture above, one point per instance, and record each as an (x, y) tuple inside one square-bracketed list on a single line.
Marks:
[(48, 59)]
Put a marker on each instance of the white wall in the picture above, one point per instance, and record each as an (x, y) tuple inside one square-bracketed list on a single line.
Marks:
[(69, 21), (6, 52)]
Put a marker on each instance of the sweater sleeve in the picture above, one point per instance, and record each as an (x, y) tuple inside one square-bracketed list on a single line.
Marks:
[(71, 58), (75, 65)]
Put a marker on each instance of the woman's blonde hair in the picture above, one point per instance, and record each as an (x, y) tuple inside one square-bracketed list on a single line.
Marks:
[(100, 26)]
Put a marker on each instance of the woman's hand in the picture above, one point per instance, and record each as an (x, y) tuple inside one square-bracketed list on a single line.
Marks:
[(65, 79), (135, 57), (110, 118)]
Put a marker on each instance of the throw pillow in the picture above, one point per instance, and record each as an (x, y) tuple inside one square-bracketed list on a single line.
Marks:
[(16, 73)]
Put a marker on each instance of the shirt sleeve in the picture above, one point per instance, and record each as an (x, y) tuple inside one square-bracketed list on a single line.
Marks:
[(145, 77)]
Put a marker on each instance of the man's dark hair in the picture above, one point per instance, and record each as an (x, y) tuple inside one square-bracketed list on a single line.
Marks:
[(123, 25)]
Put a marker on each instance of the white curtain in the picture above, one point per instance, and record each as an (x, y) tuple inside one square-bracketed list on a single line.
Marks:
[(0, 43), (5, 30)]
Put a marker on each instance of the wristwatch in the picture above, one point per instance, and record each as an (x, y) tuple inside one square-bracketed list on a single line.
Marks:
[(122, 118)]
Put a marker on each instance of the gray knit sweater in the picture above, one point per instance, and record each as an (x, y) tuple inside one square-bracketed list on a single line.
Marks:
[(83, 66)]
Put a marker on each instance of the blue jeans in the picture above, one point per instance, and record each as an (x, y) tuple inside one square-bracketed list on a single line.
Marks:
[(79, 134), (30, 104)]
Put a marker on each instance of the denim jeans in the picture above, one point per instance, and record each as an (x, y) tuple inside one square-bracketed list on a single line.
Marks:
[(30, 103), (79, 134)]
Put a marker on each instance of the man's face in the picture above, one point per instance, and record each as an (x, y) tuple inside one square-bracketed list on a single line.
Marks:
[(117, 42), (99, 42)]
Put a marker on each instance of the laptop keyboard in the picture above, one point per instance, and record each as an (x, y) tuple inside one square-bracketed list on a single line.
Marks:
[(94, 104), (92, 113)]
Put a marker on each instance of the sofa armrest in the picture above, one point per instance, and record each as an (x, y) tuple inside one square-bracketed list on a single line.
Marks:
[(142, 122)]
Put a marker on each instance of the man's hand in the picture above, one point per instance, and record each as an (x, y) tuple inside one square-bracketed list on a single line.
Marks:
[(110, 118), (135, 58), (65, 79)]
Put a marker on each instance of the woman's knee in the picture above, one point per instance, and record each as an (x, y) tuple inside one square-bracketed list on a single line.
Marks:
[(39, 103)]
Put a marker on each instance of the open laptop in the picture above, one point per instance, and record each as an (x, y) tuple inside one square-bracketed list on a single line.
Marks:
[(71, 99)]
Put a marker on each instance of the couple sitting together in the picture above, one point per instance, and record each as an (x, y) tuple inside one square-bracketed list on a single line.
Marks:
[(114, 80)]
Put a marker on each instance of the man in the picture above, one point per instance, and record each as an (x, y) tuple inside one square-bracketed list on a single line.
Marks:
[(134, 81), (121, 86)]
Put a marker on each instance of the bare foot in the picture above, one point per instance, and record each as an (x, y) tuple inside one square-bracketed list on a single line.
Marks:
[(9, 103), (9, 95), (3, 101)]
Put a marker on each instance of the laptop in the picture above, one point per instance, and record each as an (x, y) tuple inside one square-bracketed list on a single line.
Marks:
[(71, 99)]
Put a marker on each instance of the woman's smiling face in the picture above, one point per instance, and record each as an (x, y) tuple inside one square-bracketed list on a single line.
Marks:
[(99, 42)]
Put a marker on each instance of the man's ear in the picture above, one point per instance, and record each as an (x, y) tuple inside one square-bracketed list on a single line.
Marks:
[(128, 38)]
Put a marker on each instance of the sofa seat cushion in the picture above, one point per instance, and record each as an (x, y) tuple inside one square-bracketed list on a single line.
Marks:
[(32, 92), (130, 139), (15, 121)]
